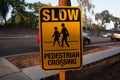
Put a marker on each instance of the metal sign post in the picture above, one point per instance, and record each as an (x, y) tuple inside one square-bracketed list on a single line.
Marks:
[(62, 74)]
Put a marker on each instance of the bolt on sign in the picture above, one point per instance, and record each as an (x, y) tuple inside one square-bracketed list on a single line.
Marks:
[(61, 37)]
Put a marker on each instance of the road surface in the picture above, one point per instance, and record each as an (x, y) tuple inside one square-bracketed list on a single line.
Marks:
[(11, 46), (17, 46)]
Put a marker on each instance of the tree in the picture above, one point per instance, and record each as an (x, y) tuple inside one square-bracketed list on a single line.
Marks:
[(34, 6), (34, 10), (18, 8), (104, 17), (17, 5), (19, 14), (116, 22), (3, 9), (97, 29), (93, 27), (87, 7)]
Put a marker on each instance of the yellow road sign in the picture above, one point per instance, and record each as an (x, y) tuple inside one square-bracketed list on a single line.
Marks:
[(61, 37)]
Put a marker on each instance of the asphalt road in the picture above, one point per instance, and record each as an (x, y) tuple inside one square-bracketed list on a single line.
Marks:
[(17, 46), (13, 46)]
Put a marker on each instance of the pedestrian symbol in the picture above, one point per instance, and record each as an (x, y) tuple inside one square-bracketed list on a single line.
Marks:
[(61, 37), (57, 34), (65, 35)]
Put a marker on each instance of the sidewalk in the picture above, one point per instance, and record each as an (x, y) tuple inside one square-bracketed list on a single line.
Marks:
[(8, 71)]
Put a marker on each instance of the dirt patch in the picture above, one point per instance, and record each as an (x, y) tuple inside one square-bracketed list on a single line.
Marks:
[(23, 61)]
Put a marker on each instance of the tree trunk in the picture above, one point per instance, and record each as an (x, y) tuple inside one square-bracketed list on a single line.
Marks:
[(64, 3)]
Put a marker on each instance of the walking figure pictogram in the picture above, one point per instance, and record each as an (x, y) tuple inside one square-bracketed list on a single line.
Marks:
[(65, 35), (56, 36)]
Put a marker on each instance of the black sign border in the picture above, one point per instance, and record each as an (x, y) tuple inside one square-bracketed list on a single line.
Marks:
[(81, 38)]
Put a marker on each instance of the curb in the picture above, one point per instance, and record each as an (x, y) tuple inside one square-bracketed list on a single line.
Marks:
[(20, 54)]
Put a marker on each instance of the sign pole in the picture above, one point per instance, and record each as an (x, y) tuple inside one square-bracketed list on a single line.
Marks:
[(62, 74)]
